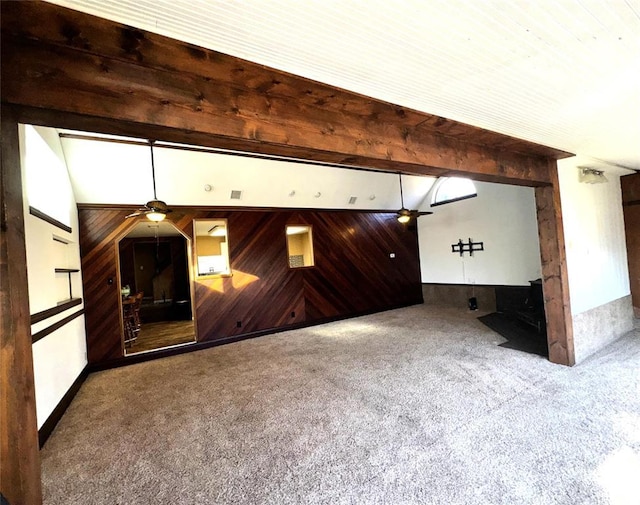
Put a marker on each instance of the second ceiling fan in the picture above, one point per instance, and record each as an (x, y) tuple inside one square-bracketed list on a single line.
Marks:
[(405, 215)]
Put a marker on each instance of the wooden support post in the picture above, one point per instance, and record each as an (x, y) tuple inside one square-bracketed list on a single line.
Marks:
[(555, 281), (19, 452)]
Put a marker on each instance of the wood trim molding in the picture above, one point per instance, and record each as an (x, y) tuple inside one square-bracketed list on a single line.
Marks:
[(52, 421), (476, 285), (45, 314), (55, 326), (46, 217)]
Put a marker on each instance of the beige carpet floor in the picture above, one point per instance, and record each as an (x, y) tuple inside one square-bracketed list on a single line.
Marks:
[(411, 406)]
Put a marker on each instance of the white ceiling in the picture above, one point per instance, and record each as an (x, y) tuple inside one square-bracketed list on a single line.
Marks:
[(563, 73)]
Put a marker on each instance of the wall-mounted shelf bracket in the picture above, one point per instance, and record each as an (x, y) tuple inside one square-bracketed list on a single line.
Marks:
[(68, 271)]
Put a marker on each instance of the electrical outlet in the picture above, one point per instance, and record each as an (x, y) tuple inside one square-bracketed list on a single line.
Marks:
[(238, 324)]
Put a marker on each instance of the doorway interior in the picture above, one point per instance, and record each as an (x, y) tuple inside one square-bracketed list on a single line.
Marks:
[(155, 286)]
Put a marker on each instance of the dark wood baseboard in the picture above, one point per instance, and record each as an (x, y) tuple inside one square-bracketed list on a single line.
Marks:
[(197, 346), (475, 285), (52, 421)]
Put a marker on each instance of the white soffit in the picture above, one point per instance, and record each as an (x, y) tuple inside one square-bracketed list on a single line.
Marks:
[(104, 172), (563, 73)]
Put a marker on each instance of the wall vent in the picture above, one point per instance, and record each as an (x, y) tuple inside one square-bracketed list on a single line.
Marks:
[(236, 194), (352, 200)]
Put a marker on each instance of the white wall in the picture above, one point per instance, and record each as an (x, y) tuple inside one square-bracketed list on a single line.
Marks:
[(596, 256), (97, 169), (501, 216), (60, 357), (594, 236)]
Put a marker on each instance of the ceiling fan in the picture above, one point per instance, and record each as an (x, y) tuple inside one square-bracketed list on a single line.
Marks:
[(155, 210), (405, 215)]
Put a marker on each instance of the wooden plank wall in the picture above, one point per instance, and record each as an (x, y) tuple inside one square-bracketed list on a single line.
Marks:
[(353, 273), (631, 208)]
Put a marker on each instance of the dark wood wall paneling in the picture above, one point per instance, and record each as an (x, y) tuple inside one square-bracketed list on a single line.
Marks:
[(353, 273), (98, 232), (631, 208)]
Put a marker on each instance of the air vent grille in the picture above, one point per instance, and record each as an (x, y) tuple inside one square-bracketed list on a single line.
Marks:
[(352, 200), (236, 194)]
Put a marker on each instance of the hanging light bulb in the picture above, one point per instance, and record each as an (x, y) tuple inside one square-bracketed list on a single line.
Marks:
[(404, 218)]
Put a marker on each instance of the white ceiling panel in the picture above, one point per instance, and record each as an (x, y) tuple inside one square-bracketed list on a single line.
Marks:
[(563, 73)]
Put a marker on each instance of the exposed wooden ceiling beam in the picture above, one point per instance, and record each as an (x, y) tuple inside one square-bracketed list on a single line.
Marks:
[(60, 60)]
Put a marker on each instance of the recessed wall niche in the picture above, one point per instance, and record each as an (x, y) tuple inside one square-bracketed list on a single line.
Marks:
[(299, 246), (211, 247)]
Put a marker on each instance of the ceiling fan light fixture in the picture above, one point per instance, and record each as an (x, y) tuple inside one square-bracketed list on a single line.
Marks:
[(404, 216), (155, 210), (156, 216)]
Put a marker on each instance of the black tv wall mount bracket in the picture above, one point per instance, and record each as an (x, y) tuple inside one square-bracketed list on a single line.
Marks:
[(470, 247)]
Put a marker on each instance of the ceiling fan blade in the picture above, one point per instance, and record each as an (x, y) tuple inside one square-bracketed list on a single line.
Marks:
[(422, 213), (136, 214)]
